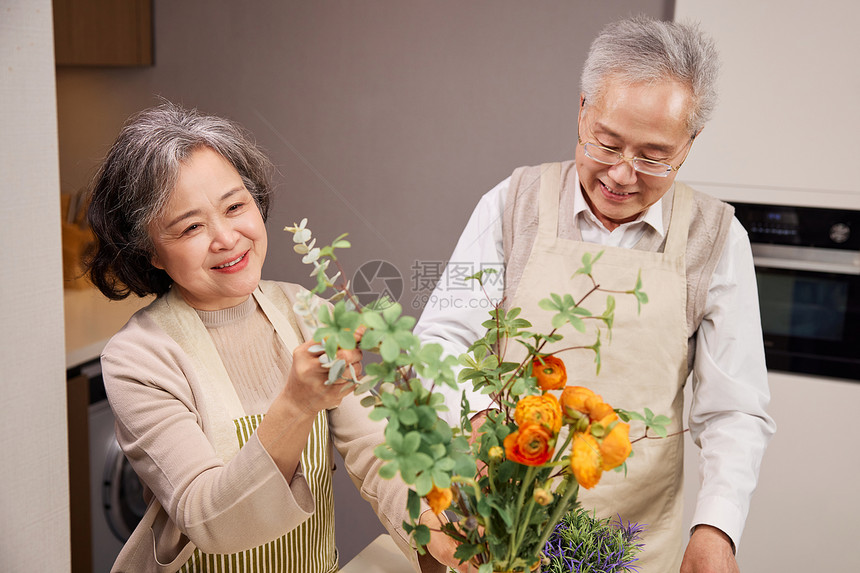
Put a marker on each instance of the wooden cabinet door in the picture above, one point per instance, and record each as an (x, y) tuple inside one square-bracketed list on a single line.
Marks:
[(103, 32)]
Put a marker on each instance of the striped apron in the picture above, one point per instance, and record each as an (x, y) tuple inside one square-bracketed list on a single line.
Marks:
[(310, 547)]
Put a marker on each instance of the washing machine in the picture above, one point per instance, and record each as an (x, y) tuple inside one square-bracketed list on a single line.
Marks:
[(116, 493)]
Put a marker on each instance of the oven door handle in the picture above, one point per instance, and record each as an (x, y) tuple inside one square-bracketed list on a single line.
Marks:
[(842, 262), (809, 266)]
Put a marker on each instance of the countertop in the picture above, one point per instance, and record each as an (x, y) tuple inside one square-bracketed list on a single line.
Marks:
[(91, 319), (380, 556)]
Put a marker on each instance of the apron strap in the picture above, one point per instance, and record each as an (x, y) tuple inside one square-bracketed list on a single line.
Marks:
[(679, 226), (278, 309), (550, 189), (182, 324)]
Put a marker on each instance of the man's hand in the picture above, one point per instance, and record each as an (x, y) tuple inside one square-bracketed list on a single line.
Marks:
[(709, 551)]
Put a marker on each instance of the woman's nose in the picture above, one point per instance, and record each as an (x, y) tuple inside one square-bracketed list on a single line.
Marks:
[(224, 236)]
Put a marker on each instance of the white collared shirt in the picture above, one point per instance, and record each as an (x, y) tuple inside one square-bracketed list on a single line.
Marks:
[(728, 417)]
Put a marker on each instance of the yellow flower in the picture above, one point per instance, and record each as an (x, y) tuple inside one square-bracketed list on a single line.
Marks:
[(542, 496), (544, 410), (496, 453), (530, 445), (439, 499), (550, 372), (585, 461)]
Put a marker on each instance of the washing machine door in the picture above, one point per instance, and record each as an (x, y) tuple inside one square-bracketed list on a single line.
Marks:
[(122, 493)]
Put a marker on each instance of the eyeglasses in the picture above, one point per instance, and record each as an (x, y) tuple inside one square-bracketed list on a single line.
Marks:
[(608, 156)]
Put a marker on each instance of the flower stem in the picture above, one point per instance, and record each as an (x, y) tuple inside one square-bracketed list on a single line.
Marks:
[(560, 510)]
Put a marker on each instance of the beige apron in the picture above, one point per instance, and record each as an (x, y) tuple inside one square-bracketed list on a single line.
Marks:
[(644, 363)]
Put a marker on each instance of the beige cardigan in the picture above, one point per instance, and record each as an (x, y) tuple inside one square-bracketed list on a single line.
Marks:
[(167, 418)]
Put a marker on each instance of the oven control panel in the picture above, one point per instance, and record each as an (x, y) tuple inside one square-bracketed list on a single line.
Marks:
[(800, 226)]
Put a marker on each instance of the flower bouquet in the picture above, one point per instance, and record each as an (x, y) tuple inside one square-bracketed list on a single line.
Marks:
[(508, 475)]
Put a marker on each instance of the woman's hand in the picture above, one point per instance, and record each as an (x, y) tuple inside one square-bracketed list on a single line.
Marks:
[(285, 428), (442, 547), (306, 385)]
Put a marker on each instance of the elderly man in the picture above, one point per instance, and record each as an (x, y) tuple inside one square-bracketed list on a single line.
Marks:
[(648, 88)]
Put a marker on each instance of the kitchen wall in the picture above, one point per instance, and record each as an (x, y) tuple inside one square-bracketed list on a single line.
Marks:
[(34, 492), (784, 132), (386, 119)]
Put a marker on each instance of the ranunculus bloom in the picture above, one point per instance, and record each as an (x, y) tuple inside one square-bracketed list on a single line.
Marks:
[(439, 499), (550, 372), (616, 447), (586, 460), (598, 409), (574, 398), (543, 410), (530, 445)]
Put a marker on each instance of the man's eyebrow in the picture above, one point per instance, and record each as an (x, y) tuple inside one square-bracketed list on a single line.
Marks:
[(658, 147)]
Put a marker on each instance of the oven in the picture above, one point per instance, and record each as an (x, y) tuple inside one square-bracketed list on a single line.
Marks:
[(808, 271)]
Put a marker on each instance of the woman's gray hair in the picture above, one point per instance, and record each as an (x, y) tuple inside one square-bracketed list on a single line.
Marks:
[(136, 179), (642, 49)]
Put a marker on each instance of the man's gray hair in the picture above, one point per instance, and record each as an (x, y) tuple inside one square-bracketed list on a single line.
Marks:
[(643, 50)]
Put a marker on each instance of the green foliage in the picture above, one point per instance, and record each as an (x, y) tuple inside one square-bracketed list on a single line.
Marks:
[(656, 423), (502, 522)]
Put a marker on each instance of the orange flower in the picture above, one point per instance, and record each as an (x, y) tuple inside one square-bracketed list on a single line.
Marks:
[(573, 398), (439, 499), (585, 461), (550, 372), (598, 409), (530, 445), (544, 410), (616, 447), (578, 400)]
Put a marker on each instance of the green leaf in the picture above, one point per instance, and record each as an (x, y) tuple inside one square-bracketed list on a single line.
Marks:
[(421, 535), (408, 417), (389, 349), (410, 444), (373, 320), (466, 551), (336, 371), (389, 470), (413, 505), (392, 312), (423, 483)]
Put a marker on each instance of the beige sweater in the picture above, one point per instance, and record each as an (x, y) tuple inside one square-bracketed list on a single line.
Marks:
[(166, 415)]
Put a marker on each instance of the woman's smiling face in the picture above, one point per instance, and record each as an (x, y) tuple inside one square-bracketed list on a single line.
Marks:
[(639, 120), (211, 238)]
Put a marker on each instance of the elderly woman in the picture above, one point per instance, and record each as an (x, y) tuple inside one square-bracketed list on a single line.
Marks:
[(217, 390)]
